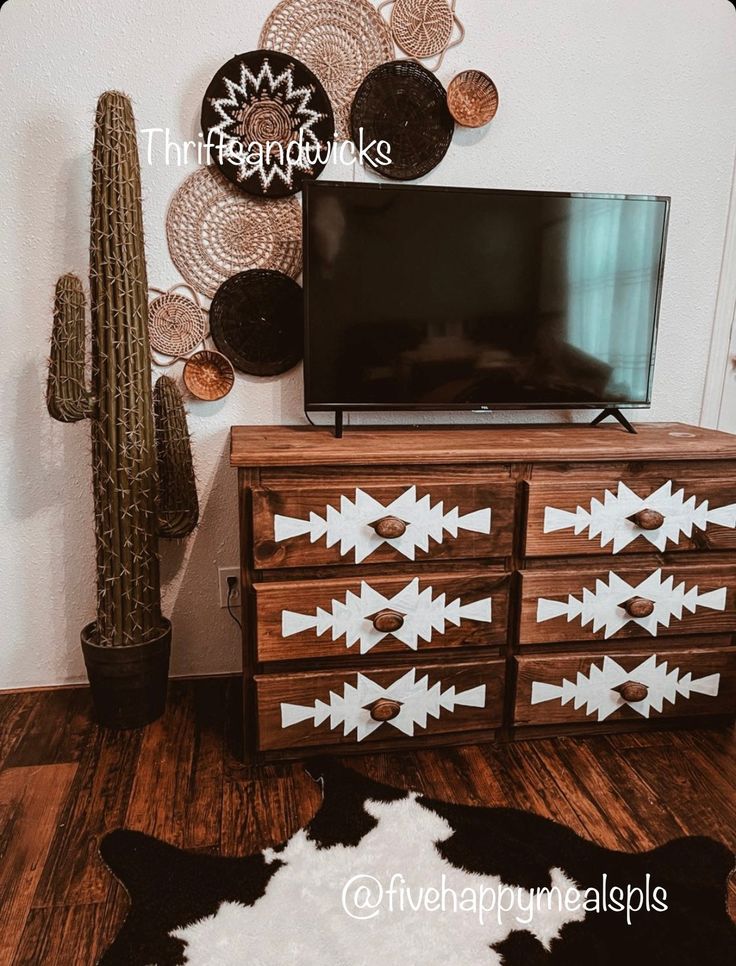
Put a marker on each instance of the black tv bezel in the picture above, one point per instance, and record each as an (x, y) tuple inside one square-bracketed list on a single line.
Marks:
[(317, 185)]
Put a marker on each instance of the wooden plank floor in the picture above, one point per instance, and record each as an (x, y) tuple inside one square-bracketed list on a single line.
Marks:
[(65, 782)]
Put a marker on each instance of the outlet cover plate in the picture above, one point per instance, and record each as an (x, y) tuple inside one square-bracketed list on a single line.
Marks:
[(223, 574)]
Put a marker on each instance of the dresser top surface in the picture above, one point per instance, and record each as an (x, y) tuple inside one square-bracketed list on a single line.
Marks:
[(435, 445)]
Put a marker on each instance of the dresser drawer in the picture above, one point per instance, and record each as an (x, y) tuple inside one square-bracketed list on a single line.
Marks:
[(382, 614), (646, 512), (635, 685), (626, 600), (386, 522), (296, 710)]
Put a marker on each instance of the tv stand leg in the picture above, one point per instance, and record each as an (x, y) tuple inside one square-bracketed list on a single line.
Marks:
[(338, 424), (617, 414)]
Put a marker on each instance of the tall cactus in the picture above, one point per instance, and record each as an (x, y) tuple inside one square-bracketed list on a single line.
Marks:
[(120, 404)]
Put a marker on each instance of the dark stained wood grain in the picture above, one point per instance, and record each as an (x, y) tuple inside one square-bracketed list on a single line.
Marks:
[(307, 596), (298, 689), (308, 446), (300, 503), (554, 669), (569, 494), (31, 801), (630, 791), (561, 583)]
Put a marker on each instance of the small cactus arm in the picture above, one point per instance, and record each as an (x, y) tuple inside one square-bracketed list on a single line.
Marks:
[(178, 508), (67, 396), (120, 404)]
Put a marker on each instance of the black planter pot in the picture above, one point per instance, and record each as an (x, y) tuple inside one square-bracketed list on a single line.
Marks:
[(128, 683)]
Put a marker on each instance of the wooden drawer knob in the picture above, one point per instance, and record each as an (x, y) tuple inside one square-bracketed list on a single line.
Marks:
[(387, 620), (647, 519), (389, 527), (639, 607), (632, 691), (384, 709)]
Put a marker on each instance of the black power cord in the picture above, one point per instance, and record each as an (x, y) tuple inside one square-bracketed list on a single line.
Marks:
[(232, 584)]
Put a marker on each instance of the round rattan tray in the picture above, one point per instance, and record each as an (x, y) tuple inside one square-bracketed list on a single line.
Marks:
[(257, 321), (340, 40), (268, 121), (177, 324), (404, 105), (215, 231)]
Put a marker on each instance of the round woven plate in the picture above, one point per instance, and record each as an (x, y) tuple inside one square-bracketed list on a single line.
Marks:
[(215, 231), (340, 40), (472, 98), (176, 324), (422, 28), (403, 104), (268, 122), (257, 321), (208, 375)]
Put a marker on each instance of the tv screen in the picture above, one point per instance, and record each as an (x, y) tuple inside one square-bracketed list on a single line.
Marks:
[(454, 298)]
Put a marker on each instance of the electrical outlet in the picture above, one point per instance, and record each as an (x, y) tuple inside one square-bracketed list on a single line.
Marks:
[(225, 573)]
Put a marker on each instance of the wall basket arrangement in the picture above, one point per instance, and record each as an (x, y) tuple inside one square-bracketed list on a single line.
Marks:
[(424, 28), (340, 40), (260, 97), (472, 98), (177, 323), (126, 648), (215, 231), (208, 375), (257, 321), (404, 104)]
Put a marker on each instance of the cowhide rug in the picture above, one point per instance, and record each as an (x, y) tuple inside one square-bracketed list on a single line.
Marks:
[(351, 889)]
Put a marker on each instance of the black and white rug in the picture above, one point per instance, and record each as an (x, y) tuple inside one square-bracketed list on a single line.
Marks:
[(382, 875)]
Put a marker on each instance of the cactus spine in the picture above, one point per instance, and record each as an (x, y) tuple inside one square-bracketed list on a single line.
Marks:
[(124, 461)]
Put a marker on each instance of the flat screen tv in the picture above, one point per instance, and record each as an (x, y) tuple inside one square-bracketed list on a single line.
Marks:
[(454, 298)]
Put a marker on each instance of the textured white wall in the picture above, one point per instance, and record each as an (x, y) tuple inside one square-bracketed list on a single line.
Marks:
[(623, 96)]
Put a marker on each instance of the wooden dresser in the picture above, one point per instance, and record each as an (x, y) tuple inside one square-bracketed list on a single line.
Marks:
[(413, 586)]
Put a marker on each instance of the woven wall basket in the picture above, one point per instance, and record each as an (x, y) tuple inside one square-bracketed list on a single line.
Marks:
[(472, 98), (340, 40), (215, 231), (268, 122), (424, 28), (208, 375), (257, 321), (403, 104), (177, 323)]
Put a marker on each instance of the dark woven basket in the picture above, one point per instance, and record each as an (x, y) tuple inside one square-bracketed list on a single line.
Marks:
[(267, 98), (257, 321), (405, 105)]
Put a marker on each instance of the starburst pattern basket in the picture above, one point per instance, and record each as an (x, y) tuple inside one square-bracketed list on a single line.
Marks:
[(215, 231), (472, 98), (268, 122), (340, 40), (423, 28), (403, 104), (177, 324), (257, 321)]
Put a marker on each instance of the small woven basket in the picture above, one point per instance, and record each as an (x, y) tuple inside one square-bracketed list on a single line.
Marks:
[(208, 375), (423, 28), (472, 98), (403, 104)]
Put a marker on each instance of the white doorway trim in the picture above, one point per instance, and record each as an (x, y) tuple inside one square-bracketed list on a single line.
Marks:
[(721, 347)]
